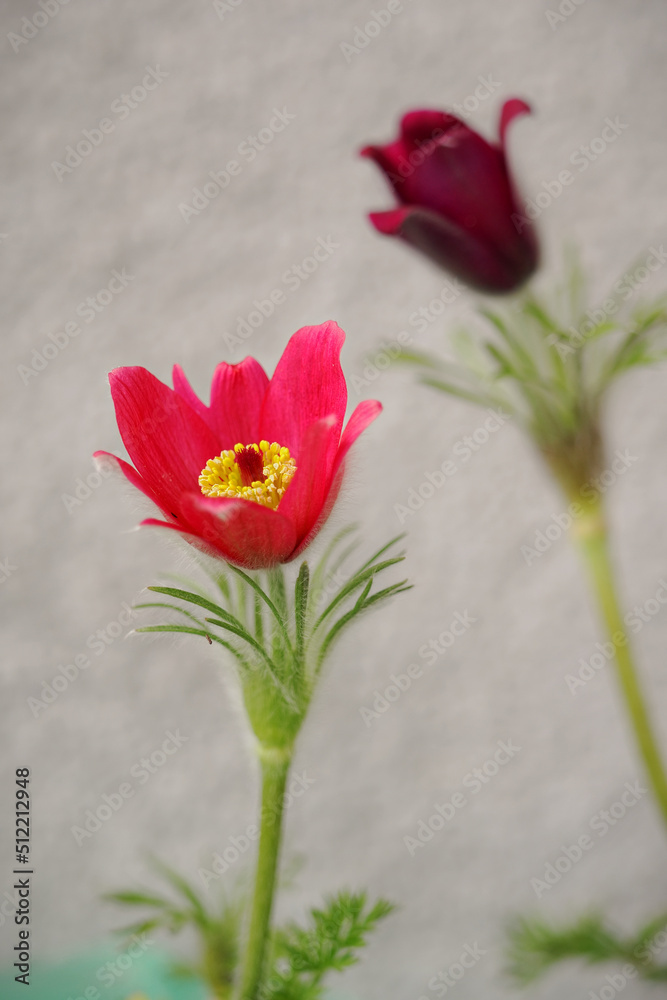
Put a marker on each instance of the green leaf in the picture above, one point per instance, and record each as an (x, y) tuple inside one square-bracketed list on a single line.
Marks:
[(505, 365), (259, 620), (362, 604), (363, 595), (322, 570), (653, 927), (267, 600), (169, 607), (453, 390), (301, 588), (536, 946), (192, 585), (524, 359), (190, 598), (218, 929), (391, 591), (358, 580), (210, 636), (380, 552), (130, 898), (419, 358), (183, 888), (531, 307), (330, 942), (264, 655), (242, 633), (141, 927)]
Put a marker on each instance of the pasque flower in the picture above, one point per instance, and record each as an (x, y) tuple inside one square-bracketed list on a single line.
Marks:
[(253, 476), (457, 199)]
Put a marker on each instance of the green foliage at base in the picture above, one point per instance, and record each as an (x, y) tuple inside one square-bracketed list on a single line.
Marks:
[(301, 956), (217, 927), (330, 942), (535, 947)]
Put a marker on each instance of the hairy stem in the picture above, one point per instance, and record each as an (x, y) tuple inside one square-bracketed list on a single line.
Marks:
[(591, 535), (275, 768)]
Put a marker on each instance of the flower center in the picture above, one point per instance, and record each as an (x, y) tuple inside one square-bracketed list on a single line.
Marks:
[(260, 473)]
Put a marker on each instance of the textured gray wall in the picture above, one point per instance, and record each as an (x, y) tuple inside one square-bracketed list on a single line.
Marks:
[(72, 571)]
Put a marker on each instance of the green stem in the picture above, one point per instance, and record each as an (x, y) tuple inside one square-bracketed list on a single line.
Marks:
[(275, 768), (590, 533)]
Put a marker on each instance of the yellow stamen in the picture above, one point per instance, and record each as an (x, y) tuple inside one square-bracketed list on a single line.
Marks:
[(236, 473)]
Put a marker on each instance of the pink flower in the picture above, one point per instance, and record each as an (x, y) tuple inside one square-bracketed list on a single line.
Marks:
[(254, 476), (457, 200)]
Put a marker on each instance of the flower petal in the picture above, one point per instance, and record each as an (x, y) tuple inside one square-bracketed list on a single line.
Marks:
[(463, 178), (399, 159), (393, 161), (130, 473), (308, 384), (458, 202), (306, 495), (510, 110), (423, 126), (167, 441), (245, 533), (478, 262), (186, 392), (456, 173), (237, 394), (364, 414), (389, 223)]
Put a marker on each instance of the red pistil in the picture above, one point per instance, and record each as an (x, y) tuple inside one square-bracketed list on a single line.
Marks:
[(251, 465)]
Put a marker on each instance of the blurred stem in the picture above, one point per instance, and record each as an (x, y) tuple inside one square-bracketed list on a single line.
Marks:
[(592, 537), (275, 768)]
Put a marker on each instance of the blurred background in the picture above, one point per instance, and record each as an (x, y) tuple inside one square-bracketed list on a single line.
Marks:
[(187, 88)]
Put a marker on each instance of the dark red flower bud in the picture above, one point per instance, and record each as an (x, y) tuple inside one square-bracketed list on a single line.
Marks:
[(457, 200)]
